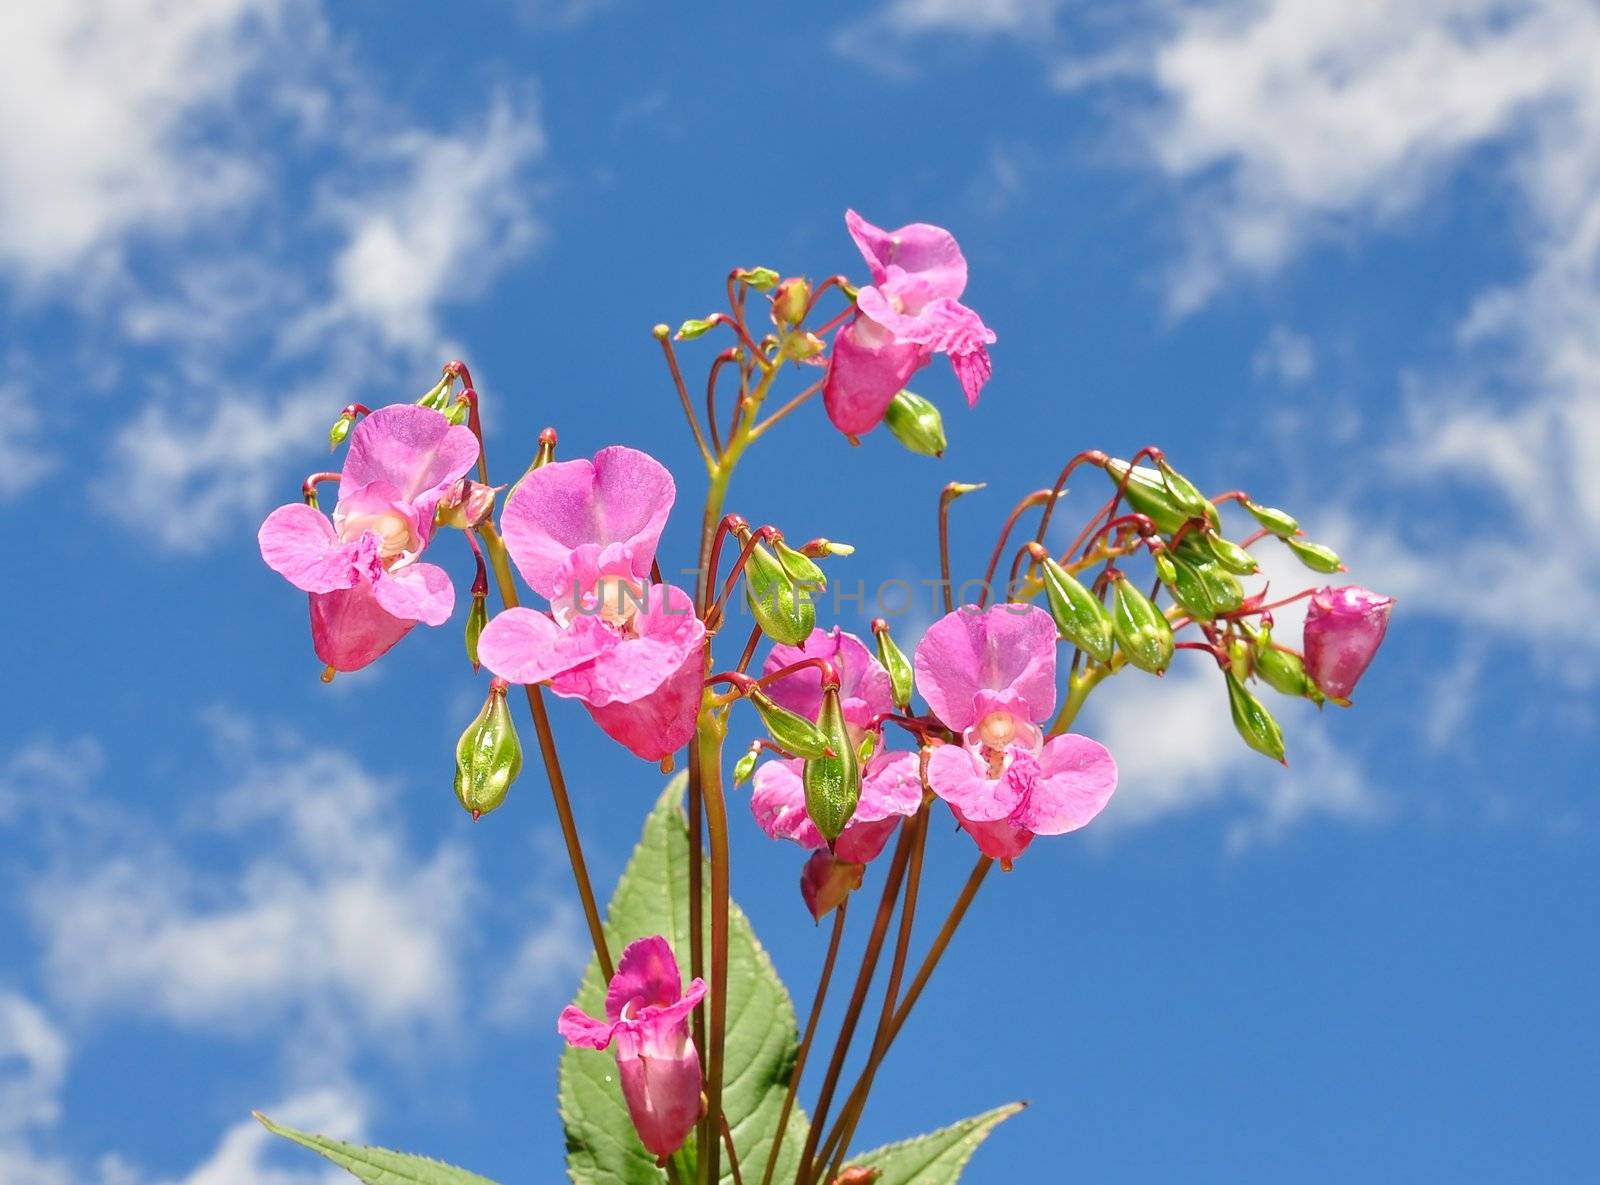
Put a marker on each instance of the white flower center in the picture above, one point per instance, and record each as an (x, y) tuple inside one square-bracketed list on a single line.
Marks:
[(617, 600), (396, 536)]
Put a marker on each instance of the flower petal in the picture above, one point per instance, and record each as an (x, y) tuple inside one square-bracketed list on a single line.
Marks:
[(1009, 646), (583, 1030), (661, 722), (417, 592), (973, 369), (1000, 839), (864, 689), (778, 801), (891, 787), (646, 975), (524, 646), (956, 777), (667, 634), (299, 544), (864, 376), (413, 448), (929, 251), (622, 496), (1075, 781), (350, 629)]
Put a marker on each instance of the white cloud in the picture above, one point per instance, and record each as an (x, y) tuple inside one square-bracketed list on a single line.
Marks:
[(24, 455), (248, 1153), (1177, 752), (1285, 356), (99, 135), (33, 1065)]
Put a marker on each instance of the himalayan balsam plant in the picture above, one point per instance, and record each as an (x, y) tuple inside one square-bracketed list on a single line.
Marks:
[(685, 1062)]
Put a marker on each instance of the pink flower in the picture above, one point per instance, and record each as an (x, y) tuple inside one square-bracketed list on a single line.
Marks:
[(891, 783), (1344, 628), (584, 534), (647, 1016), (826, 881), (909, 313), (367, 584), (991, 677)]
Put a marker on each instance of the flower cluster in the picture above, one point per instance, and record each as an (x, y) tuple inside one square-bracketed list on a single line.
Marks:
[(854, 759)]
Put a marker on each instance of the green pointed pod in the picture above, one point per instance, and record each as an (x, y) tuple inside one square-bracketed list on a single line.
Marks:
[(694, 327), (1315, 556), (1146, 491), (832, 784), (458, 412), (783, 609), (1185, 494), (438, 397), (760, 278), (1271, 519), (801, 567), (1231, 556), (1239, 658), (488, 755), (1255, 724), (1222, 587), (917, 424), (867, 747), (1142, 631), (1281, 670), (477, 618), (1188, 588), (746, 765), (1080, 617), (894, 660), (789, 730)]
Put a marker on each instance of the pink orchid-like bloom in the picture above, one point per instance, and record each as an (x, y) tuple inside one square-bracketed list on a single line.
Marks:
[(910, 312), (363, 570), (891, 783), (1344, 628), (826, 881), (647, 1017), (584, 534), (991, 678)]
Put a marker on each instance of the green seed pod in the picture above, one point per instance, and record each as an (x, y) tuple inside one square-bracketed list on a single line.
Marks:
[(1222, 587), (457, 412), (1080, 617), (1189, 589), (340, 430), (692, 328), (916, 423), (746, 765), (1231, 556), (1255, 724), (833, 784), (801, 567), (1185, 494), (789, 730), (1276, 521), (784, 610), (901, 678), (488, 755), (867, 747), (1147, 493), (1315, 556), (1141, 630), (438, 397), (1239, 658), (1281, 670), (477, 618)]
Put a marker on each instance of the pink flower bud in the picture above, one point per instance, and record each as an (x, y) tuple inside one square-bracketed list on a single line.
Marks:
[(1344, 628), (647, 1017), (826, 881)]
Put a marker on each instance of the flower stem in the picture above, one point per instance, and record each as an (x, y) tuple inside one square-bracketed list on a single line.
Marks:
[(858, 996), (850, 1114), (708, 741), (828, 961)]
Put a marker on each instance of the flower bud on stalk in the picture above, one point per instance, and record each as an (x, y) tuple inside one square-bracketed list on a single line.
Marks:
[(790, 731), (1255, 724), (477, 618), (760, 278), (790, 300), (1185, 583), (746, 765), (1185, 494), (858, 1175), (1231, 556), (916, 423), (340, 430), (694, 327), (1141, 630), (832, 784), (784, 611), (826, 881), (438, 397), (488, 755), (1282, 670), (1239, 658), (901, 677), (1079, 616), (801, 567), (1315, 556), (1344, 628)]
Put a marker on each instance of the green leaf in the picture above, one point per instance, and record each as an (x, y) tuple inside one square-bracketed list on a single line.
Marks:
[(377, 1166), (938, 1157), (653, 898)]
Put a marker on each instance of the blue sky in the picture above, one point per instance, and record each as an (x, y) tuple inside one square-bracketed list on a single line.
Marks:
[(1345, 256)]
